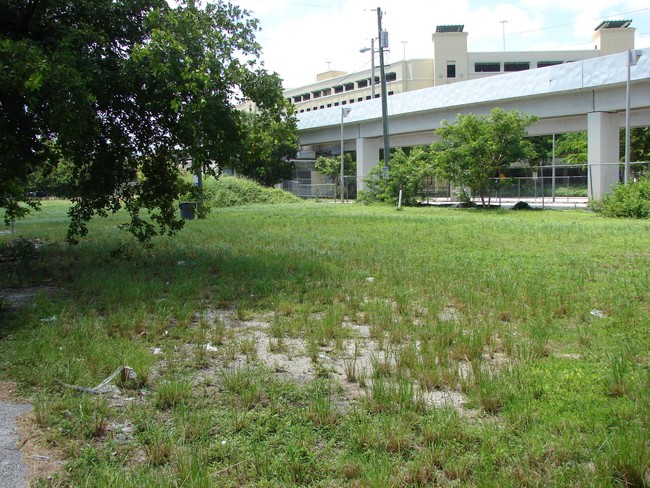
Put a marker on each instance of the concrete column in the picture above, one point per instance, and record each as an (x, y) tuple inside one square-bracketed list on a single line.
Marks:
[(367, 157), (603, 153)]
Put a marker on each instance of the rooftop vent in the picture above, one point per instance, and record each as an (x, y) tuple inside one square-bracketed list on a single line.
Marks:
[(450, 28), (613, 24)]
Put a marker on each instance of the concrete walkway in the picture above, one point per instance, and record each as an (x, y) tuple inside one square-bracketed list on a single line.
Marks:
[(13, 472), (560, 203)]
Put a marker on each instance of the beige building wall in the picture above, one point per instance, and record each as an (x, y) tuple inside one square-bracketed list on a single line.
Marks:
[(450, 63), (612, 41), (449, 57)]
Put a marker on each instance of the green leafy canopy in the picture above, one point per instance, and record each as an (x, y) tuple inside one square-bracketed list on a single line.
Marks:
[(474, 150), (127, 93)]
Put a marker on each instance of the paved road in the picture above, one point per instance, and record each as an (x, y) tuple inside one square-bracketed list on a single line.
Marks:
[(13, 473)]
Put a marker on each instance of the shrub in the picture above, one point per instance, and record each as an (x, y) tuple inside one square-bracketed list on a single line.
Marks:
[(230, 191), (405, 173), (237, 190), (627, 201)]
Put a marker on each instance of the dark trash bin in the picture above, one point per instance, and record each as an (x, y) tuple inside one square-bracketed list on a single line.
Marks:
[(187, 210)]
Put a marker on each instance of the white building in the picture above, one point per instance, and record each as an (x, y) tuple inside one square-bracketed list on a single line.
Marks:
[(451, 63)]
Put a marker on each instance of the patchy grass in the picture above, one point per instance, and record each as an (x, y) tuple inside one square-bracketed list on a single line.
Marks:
[(337, 345)]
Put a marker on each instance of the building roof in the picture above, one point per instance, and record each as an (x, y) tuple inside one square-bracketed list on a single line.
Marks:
[(450, 28), (613, 24)]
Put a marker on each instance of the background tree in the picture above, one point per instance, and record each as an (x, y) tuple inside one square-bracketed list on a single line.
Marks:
[(331, 167), (639, 144), (474, 150), (572, 148), (543, 147), (124, 88), (270, 141)]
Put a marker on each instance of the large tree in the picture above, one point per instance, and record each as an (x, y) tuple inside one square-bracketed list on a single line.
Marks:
[(270, 142), (474, 150), (119, 88)]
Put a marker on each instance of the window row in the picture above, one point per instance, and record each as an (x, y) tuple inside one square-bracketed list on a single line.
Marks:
[(509, 66), (344, 102), (365, 83)]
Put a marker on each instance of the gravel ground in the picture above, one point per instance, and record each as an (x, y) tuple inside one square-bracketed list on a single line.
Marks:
[(13, 473)]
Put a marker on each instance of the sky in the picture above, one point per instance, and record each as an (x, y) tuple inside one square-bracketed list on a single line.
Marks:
[(301, 38)]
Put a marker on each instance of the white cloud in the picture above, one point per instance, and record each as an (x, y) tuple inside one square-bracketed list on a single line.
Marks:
[(299, 37)]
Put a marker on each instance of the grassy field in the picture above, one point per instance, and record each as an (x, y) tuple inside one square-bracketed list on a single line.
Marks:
[(329, 345)]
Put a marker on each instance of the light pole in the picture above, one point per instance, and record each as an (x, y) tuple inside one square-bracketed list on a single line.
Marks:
[(344, 113), (553, 180), (632, 59), (372, 64), (503, 29)]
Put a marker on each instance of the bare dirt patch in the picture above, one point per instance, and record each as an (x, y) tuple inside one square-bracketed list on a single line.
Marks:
[(291, 359)]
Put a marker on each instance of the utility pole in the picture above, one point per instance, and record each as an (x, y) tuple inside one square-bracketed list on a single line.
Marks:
[(383, 43), (632, 57)]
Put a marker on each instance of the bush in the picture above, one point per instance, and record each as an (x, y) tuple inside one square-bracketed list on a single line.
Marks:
[(627, 201), (230, 191), (405, 173)]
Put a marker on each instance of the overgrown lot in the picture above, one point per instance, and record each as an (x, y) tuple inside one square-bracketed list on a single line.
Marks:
[(337, 345)]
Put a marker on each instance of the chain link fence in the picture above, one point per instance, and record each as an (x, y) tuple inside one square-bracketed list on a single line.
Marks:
[(327, 191), (524, 187), (570, 182)]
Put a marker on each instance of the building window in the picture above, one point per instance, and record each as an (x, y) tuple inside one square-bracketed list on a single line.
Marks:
[(327, 91), (368, 97), (344, 102), (362, 83), (543, 64), (329, 105), (338, 89), (360, 99), (349, 86), (451, 69), (391, 93), (391, 76), (316, 94), (516, 66), (322, 107), (306, 96), (352, 100), (487, 67), (336, 104)]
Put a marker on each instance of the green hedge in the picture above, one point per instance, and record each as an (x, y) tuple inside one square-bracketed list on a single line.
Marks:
[(627, 201), (230, 191)]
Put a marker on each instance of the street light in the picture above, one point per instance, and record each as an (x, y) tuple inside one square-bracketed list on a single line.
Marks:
[(503, 29), (344, 113), (372, 64), (632, 59)]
